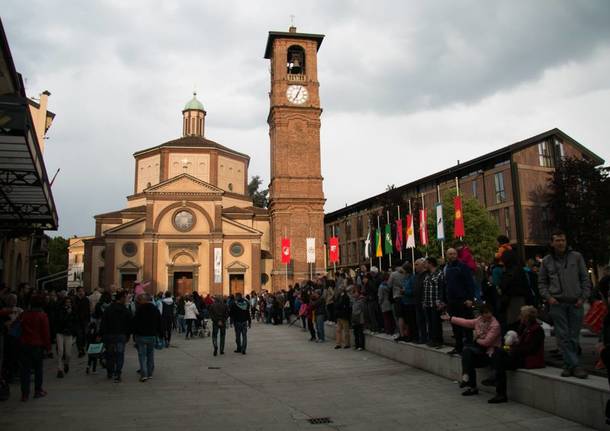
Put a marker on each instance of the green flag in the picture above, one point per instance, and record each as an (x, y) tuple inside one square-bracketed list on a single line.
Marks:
[(378, 244), (387, 240)]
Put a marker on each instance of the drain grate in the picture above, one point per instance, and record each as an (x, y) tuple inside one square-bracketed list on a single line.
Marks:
[(213, 368), (317, 421)]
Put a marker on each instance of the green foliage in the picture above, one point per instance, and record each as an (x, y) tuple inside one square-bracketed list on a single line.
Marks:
[(259, 197), (579, 205), (481, 229)]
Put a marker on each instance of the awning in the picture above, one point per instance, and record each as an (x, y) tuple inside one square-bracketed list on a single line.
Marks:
[(26, 202)]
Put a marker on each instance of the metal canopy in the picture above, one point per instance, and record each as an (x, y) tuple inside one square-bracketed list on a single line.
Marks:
[(26, 202)]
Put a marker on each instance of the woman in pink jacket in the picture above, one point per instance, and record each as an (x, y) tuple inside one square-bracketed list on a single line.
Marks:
[(487, 338)]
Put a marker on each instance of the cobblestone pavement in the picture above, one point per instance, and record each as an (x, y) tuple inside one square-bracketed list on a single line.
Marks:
[(281, 383)]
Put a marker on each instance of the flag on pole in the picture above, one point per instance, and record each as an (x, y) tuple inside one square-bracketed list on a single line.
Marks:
[(458, 230), (387, 244), (367, 245), (286, 250), (423, 227), (311, 250), (333, 251), (398, 242), (410, 232), (378, 251), (440, 226)]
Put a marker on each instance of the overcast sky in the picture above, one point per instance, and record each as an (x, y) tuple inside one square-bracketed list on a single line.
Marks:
[(407, 87)]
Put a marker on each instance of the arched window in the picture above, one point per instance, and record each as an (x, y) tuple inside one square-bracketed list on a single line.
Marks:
[(295, 62)]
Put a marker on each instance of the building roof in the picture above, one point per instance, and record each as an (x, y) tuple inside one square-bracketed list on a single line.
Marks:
[(193, 104), (133, 213), (290, 35), (463, 168), (193, 142)]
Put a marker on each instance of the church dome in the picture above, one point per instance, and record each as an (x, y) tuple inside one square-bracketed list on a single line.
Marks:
[(194, 104)]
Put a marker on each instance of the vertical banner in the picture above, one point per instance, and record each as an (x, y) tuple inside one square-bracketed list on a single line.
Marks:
[(217, 265), (440, 226), (367, 245), (458, 230), (333, 250), (398, 242), (311, 250), (423, 227), (286, 251), (387, 244), (378, 251), (410, 232)]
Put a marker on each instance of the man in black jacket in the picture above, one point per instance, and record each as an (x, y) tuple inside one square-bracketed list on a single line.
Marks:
[(146, 326), (115, 330), (219, 313), (240, 314)]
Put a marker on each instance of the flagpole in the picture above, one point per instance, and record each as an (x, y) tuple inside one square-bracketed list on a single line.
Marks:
[(379, 230), (390, 254), (412, 249), (335, 260), (286, 262), (457, 187), (438, 196), (423, 207), (369, 246), (400, 221)]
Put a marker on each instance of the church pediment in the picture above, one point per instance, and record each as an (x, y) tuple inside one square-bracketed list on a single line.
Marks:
[(184, 183), (128, 266), (237, 268), (133, 227), (232, 227)]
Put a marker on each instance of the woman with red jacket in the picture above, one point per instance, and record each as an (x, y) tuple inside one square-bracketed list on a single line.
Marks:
[(527, 353), (35, 340)]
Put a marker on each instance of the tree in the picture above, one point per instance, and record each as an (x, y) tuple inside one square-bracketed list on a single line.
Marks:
[(578, 204), (259, 197), (481, 229)]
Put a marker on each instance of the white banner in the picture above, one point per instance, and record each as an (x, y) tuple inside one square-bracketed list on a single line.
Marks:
[(440, 227), (218, 265), (311, 250)]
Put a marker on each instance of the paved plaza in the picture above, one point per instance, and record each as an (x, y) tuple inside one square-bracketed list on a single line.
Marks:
[(283, 381)]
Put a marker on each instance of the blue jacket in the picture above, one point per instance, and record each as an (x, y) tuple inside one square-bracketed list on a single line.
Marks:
[(459, 282)]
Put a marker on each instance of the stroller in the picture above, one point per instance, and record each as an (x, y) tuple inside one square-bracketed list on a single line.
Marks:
[(201, 329)]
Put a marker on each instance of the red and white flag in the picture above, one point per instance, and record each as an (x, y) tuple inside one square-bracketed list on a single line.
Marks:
[(286, 250), (423, 227), (398, 241), (410, 243), (333, 249)]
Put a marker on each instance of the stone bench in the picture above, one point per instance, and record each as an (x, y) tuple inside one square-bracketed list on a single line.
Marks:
[(581, 401)]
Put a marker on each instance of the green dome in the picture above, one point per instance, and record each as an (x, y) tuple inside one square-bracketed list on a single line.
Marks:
[(194, 104)]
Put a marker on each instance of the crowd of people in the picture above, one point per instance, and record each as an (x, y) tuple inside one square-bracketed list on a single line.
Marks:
[(101, 325)]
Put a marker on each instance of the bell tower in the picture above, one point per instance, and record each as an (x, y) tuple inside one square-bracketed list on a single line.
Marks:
[(296, 198)]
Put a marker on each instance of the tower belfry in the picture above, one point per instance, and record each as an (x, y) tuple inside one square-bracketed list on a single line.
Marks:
[(296, 197)]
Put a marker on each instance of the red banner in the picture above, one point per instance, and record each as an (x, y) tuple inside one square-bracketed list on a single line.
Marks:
[(458, 230), (286, 250), (423, 227), (333, 249), (398, 241)]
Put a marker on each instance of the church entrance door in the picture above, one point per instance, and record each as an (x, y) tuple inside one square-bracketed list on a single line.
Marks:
[(236, 284), (128, 280), (183, 283)]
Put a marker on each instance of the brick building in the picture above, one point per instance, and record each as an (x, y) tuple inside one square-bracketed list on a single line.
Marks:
[(510, 182)]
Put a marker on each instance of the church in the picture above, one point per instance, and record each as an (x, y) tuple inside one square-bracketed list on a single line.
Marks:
[(190, 224)]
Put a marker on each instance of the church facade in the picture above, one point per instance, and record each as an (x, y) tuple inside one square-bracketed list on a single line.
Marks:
[(190, 224)]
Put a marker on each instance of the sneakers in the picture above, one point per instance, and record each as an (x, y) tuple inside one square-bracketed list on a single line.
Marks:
[(117, 379), (143, 379), (215, 351), (567, 372), (41, 393), (60, 374), (579, 373), (498, 399), (470, 392)]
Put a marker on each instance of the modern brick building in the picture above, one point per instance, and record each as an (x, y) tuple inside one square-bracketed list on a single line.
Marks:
[(510, 182)]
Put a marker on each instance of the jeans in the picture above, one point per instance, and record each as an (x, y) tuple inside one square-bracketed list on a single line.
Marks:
[(215, 331), (30, 359), (458, 309), (320, 327), (434, 324), (241, 335), (473, 357), (115, 354), (146, 354), (189, 327), (64, 350), (567, 321), (342, 333), (181, 327)]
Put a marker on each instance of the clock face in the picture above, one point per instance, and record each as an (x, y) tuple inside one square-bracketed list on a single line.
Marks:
[(183, 221), (297, 94)]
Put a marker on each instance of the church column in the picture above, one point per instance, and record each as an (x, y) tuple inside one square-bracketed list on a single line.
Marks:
[(217, 217), (214, 168), (164, 165), (109, 265), (148, 262), (256, 267)]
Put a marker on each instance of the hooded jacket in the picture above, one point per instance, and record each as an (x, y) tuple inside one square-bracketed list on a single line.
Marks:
[(240, 311), (116, 320), (564, 278)]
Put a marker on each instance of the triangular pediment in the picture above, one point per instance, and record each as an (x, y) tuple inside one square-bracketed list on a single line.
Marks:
[(232, 227), (129, 265), (184, 183), (237, 267), (132, 227)]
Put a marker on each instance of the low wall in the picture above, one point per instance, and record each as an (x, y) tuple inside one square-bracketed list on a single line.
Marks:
[(581, 401)]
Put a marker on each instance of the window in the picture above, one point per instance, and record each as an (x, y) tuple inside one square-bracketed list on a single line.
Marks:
[(359, 226), (499, 183), (295, 61), (130, 249), (348, 230), (474, 189), (507, 221), (496, 216), (559, 150), (544, 155), (236, 249)]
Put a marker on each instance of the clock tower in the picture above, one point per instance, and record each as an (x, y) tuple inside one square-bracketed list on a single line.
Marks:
[(296, 198)]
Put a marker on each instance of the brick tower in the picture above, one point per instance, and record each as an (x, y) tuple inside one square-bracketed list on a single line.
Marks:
[(296, 198)]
